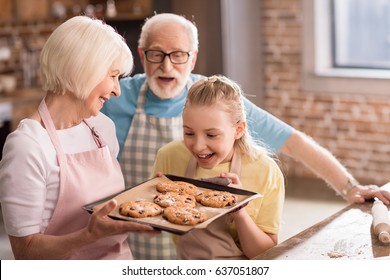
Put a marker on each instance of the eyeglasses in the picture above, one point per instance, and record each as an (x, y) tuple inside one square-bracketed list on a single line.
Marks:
[(176, 57)]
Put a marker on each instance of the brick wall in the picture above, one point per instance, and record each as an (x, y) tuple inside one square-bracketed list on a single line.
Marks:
[(355, 128)]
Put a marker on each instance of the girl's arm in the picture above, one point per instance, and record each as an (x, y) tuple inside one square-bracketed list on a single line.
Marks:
[(253, 240)]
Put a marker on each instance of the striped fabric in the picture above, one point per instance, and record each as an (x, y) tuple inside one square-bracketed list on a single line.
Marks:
[(146, 135)]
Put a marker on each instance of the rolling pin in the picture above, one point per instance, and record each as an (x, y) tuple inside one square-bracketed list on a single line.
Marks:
[(380, 221)]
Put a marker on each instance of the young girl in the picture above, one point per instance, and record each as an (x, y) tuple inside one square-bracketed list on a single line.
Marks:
[(217, 143)]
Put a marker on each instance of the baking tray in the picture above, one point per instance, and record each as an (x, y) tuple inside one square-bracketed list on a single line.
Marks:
[(146, 191)]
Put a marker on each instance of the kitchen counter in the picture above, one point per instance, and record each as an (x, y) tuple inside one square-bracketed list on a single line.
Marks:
[(347, 234), (22, 95), (23, 103)]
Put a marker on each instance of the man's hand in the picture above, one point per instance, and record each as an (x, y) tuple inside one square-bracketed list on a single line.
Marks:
[(360, 194)]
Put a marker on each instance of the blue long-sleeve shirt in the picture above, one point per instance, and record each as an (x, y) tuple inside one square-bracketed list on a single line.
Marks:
[(263, 126)]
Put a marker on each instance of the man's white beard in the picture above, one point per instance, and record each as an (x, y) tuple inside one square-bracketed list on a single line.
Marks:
[(165, 93)]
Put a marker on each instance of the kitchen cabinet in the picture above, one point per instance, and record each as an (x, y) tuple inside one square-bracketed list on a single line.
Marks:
[(32, 10), (43, 10), (127, 9), (25, 25), (6, 10), (27, 10)]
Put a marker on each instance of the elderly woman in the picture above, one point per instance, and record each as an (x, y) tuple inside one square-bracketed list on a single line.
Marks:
[(64, 155)]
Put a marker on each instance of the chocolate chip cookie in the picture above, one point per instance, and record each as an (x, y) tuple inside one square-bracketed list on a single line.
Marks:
[(174, 199), (139, 209), (184, 215), (216, 199), (177, 186)]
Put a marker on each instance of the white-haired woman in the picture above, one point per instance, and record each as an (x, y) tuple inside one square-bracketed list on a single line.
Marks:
[(64, 155)]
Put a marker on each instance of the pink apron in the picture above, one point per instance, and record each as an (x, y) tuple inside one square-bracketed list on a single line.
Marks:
[(215, 241), (84, 178)]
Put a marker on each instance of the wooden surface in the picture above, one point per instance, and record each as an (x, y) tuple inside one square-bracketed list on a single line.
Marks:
[(24, 102), (32, 10), (345, 235), (5, 10)]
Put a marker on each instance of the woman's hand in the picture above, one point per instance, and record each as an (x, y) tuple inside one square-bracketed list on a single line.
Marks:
[(101, 225)]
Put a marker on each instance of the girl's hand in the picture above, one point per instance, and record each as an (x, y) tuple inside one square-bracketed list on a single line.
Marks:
[(235, 183), (235, 180)]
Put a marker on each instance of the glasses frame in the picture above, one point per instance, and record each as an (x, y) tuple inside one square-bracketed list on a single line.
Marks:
[(167, 55)]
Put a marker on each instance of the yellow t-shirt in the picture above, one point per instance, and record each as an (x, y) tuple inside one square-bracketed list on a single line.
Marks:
[(262, 176)]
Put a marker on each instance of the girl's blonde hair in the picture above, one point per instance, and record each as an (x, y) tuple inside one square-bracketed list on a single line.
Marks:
[(78, 55), (223, 91)]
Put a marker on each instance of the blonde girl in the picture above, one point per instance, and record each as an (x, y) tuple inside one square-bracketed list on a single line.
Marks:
[(217, 143)]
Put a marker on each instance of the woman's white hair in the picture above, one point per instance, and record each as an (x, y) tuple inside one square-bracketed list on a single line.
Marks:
[(157, 19), (78, 55)]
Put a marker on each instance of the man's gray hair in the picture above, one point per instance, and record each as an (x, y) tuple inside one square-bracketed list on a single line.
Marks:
[(172, 18)]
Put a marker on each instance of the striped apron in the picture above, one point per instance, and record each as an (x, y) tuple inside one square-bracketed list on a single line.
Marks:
[(146, 135)]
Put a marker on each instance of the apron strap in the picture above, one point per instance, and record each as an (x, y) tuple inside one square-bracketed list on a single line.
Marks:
[(50, 128), (235, 165), (142, 98), (191, 168), (61, 158), (96, 136)]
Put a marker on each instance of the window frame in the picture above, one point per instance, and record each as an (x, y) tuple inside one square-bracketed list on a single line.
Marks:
[(318, 72)]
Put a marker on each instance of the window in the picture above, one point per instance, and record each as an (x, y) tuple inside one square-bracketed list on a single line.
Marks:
[(361, 32), (346, 46)]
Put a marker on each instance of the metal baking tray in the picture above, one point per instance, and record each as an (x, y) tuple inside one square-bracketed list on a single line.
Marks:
[(146, 191)]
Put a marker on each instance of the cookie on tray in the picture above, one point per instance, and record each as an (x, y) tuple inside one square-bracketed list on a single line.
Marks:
[(216, 199), (174, 199), (184, 215), (139, 209), (177, 186)]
